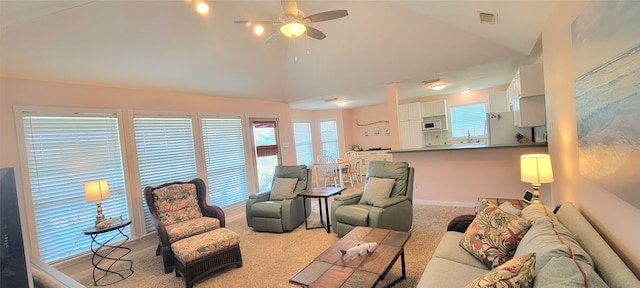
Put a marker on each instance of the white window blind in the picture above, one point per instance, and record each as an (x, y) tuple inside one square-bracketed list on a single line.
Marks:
[(166, 153), (468, 120), (329, 138), (304, 145), (225, 160), (63, 152)]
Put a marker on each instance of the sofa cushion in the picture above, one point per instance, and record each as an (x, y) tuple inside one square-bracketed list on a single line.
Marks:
[(281, 188), (550, 239), (564, 272), (395, 170), (507, 207), (448, 248), (446, 273), (537, 211), (191, 227), (176, 203), (517, 272), (354, 215), (267, 209), (376, 189), (493, 236)]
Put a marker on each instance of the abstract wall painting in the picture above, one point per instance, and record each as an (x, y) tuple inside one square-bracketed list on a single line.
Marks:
[(606, 55)]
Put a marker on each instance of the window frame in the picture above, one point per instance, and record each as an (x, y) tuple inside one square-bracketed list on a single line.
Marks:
[(473, 136), (336, 141), (141, 214), (310, 143), (27, 197)]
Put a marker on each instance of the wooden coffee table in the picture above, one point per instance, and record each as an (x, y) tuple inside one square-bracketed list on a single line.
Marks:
[(329, 269)]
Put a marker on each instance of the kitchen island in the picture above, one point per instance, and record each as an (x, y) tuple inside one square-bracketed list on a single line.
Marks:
[(467, 146), (456, 175)]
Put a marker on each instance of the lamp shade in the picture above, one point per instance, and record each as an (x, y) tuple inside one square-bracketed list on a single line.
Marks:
[(536, 168), (96, 190), (293, 29)]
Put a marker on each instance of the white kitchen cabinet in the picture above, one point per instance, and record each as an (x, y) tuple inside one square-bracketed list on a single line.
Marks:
[(410, 125), (368, 156), (498, 102), (525, 96), (409, 112), (410, 133), (434, 108)]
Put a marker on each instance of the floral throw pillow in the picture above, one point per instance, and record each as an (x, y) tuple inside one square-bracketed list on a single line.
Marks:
[(493, 236), (517, 272)]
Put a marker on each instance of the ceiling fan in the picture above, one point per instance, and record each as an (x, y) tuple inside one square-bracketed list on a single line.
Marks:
[(294, 23)]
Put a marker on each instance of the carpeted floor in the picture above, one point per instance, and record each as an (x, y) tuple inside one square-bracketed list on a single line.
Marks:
[(270, 259)]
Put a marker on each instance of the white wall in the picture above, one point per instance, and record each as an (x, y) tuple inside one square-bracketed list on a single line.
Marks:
[(614, 218)]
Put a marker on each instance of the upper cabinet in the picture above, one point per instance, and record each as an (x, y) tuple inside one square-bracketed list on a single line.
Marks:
[(409, 112), (434, 108), (410, 125), (498, 102), (525, 96)]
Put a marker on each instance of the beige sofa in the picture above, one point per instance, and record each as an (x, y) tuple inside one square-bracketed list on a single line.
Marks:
[(557, 265)]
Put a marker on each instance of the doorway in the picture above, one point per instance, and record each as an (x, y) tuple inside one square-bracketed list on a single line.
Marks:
[(266, 147)]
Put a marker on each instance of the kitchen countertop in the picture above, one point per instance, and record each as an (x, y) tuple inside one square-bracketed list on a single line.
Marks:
[(467, 147)]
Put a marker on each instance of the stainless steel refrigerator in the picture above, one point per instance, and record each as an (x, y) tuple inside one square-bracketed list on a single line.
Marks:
[(501, 129)]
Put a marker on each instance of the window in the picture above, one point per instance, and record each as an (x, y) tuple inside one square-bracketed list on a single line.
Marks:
[(329, 138), (468, 121), (166, 153), (225, 160), (265, 137), (65, 150), (304, 145)]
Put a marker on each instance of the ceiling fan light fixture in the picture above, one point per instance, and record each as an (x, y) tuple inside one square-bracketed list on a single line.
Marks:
[(293, 29), (438, 86)]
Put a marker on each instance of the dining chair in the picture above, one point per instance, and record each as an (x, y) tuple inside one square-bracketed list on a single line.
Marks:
[(330, 170), (353, 170)]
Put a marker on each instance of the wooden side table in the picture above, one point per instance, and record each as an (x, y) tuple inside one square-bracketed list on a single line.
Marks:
[(320, 193), (104, 251)]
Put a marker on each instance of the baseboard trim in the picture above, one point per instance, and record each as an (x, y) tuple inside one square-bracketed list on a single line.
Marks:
[(445, 203)]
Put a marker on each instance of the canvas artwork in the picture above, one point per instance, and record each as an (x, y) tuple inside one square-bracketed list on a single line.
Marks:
[(606, 54)]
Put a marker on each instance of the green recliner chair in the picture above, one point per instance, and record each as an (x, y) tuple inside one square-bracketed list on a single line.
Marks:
[(394, 213), (278, 216)]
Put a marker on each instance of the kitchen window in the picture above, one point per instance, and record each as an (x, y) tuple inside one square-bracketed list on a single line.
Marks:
[(468, 121)]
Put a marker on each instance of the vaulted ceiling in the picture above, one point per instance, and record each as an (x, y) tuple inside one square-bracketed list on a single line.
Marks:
[(167, 45)]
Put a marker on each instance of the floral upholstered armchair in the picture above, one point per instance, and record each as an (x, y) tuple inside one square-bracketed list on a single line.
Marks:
[(179, 210)]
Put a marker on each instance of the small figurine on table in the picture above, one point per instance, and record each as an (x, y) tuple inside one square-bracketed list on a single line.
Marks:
[(360, 249)]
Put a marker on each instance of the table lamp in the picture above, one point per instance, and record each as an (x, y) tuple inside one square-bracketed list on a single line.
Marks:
[(97, 191), (536, 169)]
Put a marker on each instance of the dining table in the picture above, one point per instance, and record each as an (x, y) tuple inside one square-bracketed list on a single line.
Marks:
[(342, 164)]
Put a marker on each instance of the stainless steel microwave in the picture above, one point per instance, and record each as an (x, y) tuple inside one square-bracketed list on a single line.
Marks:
[(432, 125)]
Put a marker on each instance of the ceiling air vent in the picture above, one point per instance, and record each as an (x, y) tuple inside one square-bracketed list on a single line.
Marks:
[(488, 18)]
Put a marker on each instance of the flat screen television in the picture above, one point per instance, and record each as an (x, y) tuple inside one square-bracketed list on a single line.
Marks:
[(13, 265)]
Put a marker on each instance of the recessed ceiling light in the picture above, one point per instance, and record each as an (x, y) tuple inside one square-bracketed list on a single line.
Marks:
[(439, 86), (342, 103), (465, 91), (202, 8)]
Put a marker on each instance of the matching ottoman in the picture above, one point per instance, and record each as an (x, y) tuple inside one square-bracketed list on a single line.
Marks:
[(199, 255)]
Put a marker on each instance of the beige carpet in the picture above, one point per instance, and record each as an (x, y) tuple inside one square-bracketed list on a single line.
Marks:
[(270, 259)]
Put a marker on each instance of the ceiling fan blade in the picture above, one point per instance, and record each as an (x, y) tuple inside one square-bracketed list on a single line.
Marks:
[(325, 16), (275, 36), (290, 7), (257, 22), (315, 33)]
